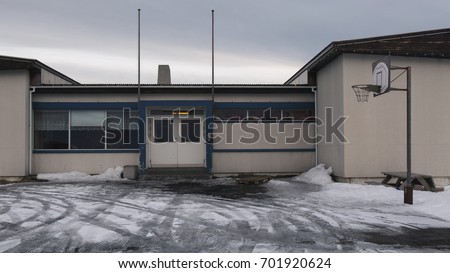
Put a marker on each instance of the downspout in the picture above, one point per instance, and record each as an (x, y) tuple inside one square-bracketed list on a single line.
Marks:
[(30, 132), (314, 90)]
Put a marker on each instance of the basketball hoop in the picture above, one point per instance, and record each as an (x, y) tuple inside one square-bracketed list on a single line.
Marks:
[(362, 91)]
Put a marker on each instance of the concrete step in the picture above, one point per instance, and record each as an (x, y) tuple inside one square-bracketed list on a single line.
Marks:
[(175, 174)]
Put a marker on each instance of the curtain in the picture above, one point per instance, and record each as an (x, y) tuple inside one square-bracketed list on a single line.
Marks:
[(51, 121)]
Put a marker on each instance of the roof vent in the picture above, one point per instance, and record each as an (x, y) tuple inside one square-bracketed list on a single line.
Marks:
[(164, 74)]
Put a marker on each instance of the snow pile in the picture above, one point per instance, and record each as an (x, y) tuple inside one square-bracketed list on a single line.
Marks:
[(318, 175), (367, 195), (278, 183), (433, 203), (111, 174)]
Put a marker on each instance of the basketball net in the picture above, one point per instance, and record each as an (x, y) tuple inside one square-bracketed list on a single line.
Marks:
[(362, 93)]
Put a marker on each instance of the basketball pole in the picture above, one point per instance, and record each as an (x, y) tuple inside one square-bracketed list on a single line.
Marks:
[(408, 190)]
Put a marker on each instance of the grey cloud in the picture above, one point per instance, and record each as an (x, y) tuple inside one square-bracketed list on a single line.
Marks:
[(282, 33)]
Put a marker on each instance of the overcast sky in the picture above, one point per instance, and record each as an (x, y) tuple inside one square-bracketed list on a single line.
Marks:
[(257, 41)]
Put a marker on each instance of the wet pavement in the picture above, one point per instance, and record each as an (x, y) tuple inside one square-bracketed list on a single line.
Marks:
[(204, 216)]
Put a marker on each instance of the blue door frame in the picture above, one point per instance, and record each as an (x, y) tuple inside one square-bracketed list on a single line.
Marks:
[(143, 104)]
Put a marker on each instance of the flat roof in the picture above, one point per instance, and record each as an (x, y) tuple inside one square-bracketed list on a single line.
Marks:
[(177, 88)]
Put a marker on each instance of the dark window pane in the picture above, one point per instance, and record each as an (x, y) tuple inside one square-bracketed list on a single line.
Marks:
[(161, 112), (265, 114), (255, 114), (163, 131), (298, 114), (196, 113), (86, 130), (51, 130), (272, 114), (190, 130), (87, 137), (231, 114), (122, 131), (123, 139)]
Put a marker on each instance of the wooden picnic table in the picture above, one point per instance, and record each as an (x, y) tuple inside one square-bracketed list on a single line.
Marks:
[(422, 179)]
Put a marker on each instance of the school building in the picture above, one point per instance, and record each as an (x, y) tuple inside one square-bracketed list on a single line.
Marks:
[(52, 123)]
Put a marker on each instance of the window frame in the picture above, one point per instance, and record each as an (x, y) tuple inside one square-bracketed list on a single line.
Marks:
[(69, 131), (251, 119), (68, 128)]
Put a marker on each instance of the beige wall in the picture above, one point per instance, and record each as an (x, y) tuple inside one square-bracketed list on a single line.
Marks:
[(89, 163), (377, 129), (262, 162), (329, 94), (14, 122)]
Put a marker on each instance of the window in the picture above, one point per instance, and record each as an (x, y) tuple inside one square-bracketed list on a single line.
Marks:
[(231, 114), (298, 114), (265, 114), (84, 129), (163, 112), (163, 130), (268, 114), (51, 130), (122, 130), (190, 130)]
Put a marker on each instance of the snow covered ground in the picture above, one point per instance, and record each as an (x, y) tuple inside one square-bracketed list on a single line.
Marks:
[(308, 213)]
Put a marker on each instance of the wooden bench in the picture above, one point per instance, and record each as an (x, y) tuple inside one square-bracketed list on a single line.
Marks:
[(422, 179)]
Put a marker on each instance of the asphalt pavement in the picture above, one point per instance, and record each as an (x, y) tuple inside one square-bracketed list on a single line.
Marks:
[(200, 216)]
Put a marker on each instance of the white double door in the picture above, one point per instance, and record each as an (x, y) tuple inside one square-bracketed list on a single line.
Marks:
[(176, 139)]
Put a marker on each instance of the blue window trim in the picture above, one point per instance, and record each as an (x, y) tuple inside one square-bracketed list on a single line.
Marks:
[(301, 150), (83, 105), (94, 151), (264, 105), (266, 121)]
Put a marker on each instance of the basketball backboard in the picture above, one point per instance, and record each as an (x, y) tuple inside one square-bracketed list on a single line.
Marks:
[(381, 74)]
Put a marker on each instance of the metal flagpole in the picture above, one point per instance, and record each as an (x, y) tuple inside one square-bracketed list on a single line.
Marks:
[(209, 137), (139, 57), (212, 60), (141, 165)]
